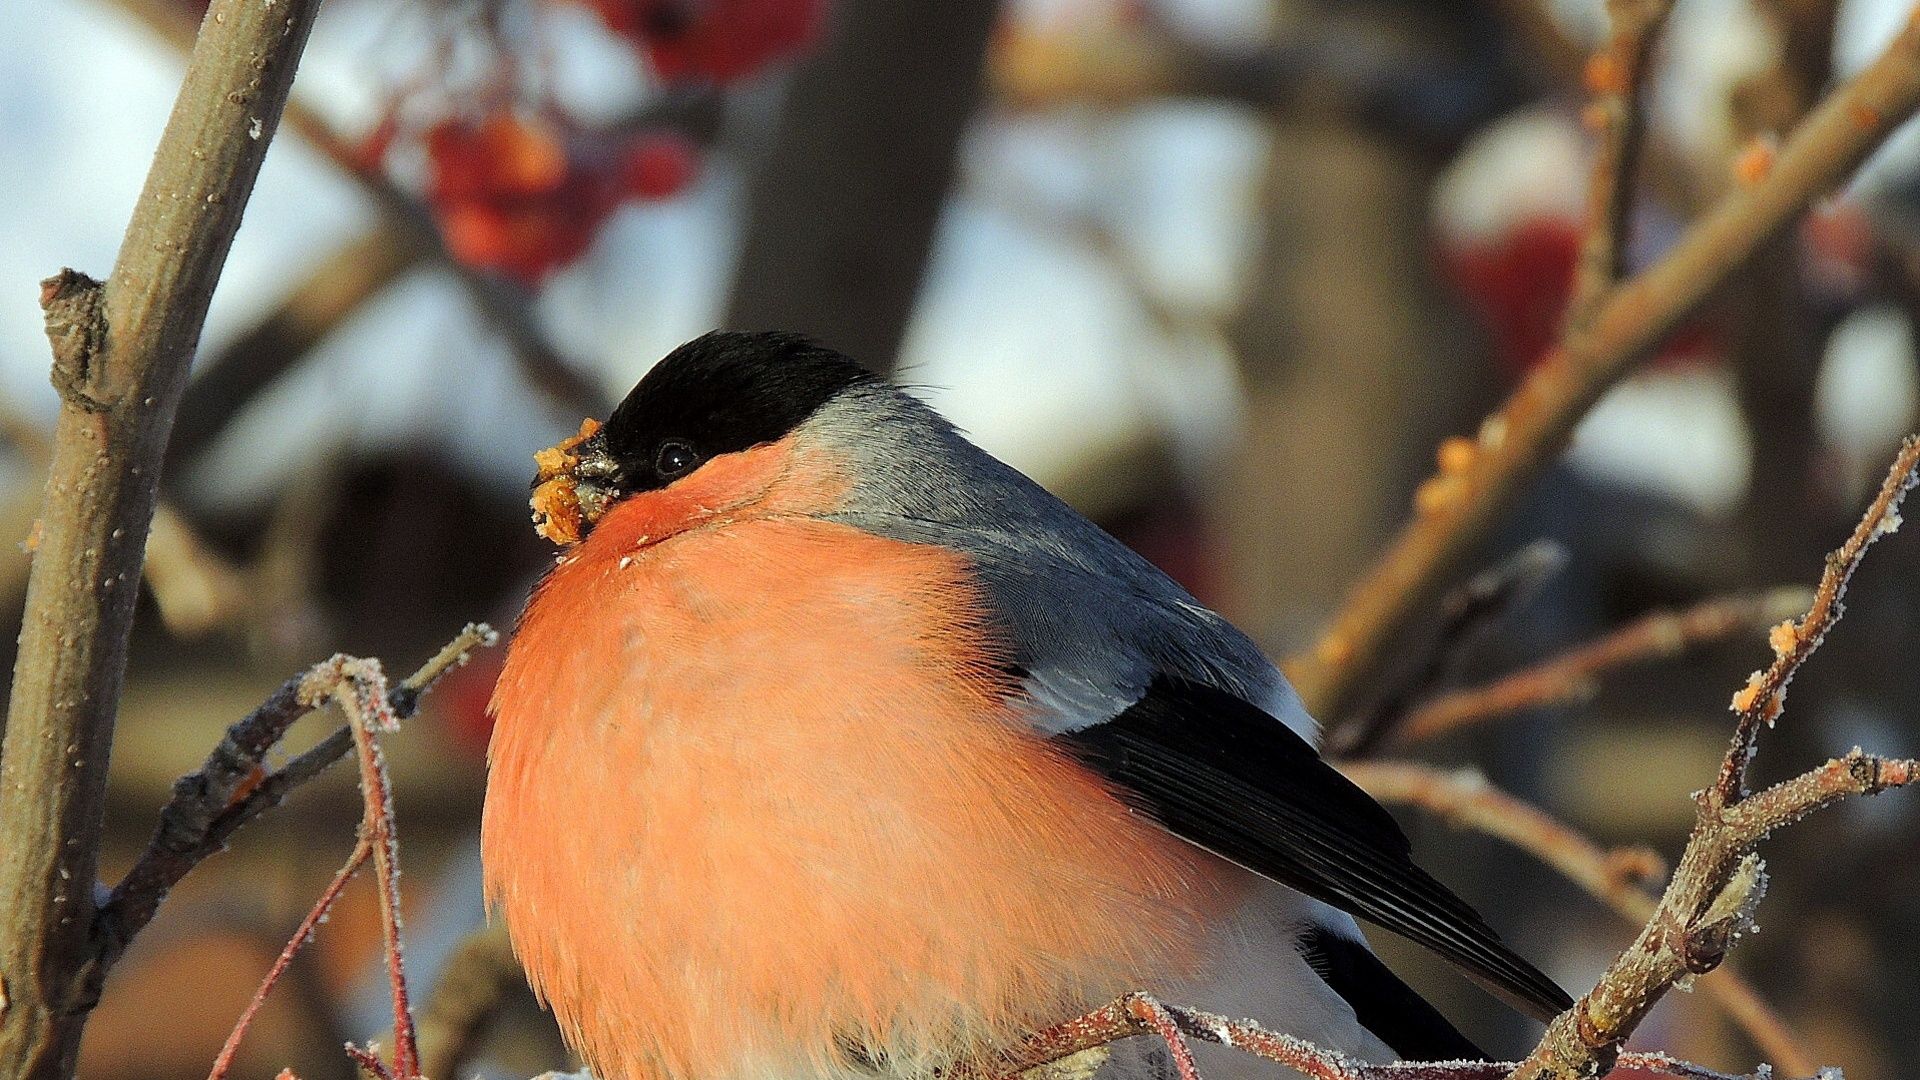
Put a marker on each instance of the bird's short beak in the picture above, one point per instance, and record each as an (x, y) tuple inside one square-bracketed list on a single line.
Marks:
[(574, 485)]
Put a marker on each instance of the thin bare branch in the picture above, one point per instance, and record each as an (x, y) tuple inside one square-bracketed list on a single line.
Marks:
[(1620, 878), (1719, 879), (223, 1064), (121, 354), (1574, 675), (1132, 1015), (360, 688), (1617, 77), (1762, 699), (1527, 433), (231, 789), (1467, 615)]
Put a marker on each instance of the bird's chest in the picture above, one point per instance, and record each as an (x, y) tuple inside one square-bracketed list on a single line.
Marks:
[(758, 798)]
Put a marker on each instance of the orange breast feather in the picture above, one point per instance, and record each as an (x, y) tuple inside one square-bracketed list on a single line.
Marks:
[(758, 796)]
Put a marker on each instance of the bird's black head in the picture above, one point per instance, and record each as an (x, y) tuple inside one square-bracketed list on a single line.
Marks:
[(719, 393)]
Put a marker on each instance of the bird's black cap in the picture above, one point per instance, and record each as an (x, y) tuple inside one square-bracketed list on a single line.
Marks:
[(719, 393)]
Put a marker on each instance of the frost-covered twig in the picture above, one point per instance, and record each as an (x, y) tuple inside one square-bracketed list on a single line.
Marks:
[(1621, 878), (1574, 675), (1719, 879), (1131, 1015), (1765, 694), (231, 788), (223, 1064), (360, 688)]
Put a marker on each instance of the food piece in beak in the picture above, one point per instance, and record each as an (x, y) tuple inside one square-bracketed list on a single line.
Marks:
[(557, 513)]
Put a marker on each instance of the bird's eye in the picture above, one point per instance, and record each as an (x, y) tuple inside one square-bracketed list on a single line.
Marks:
[(675, 459)]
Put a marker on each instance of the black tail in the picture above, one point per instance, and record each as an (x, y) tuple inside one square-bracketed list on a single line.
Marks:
[(1383, 1004)]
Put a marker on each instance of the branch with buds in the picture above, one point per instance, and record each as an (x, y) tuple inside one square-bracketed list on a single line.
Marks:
[(1460, 505)]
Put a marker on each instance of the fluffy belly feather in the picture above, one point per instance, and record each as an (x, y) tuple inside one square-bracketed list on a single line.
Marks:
[(759, 803)]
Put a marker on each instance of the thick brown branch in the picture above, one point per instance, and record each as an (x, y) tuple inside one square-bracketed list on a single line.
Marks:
[(1520, 440), (1574, 675), (122, 350)]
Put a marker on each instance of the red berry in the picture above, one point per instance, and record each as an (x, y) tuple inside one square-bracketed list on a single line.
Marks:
[(658, 165), (510, 198), (717, 41)]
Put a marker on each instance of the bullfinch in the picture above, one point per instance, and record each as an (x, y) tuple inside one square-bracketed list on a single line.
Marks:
[(833, 747)]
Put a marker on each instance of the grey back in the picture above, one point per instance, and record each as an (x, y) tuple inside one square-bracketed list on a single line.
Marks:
[(1092, 623)]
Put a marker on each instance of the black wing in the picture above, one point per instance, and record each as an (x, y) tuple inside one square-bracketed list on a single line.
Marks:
[(1228, 777)]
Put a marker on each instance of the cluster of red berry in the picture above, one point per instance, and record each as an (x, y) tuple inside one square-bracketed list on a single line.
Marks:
[(517, 193), (523, 191), (717, 41)]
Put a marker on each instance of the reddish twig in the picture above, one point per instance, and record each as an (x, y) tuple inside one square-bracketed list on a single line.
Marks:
[(1527, 433), (368, 1058), (223, 1064), (361, 690), (1574, 675)]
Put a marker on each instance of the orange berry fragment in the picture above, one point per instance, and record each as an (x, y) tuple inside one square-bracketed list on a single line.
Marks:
[(1605, 74), (556, 498), (1456, 454), (1784, 638), (1755, 162)]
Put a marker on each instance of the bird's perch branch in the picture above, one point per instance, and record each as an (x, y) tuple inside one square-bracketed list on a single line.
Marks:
[(1530, 429), (121, 353), (1135, 1014)]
